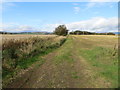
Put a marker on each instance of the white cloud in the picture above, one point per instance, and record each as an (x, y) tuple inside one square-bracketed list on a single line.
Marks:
[(91, 4), (95, 4), (75, 4), (77, 10), (96, 24), (25, 28), (16, 28), (6, 5), (50, 27), (99, 4)]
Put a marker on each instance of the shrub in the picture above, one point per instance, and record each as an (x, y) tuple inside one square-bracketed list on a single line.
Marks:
[(61, 30)]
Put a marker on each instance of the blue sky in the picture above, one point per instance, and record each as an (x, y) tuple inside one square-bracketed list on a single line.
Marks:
[(45, 16)]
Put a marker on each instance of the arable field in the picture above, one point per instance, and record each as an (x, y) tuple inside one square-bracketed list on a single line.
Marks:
[(82, 61), (22, 36)]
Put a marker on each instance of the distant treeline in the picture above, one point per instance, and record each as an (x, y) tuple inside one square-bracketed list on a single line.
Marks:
[(45, 33), (5, 33), (77, 32)]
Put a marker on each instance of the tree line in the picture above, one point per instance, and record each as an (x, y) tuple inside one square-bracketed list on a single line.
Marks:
[(78, 32), (62, 30)]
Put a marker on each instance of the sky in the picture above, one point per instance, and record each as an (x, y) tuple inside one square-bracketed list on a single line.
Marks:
[(46, 16)]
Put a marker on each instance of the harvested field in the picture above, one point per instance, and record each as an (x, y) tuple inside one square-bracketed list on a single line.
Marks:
[(83, 61)]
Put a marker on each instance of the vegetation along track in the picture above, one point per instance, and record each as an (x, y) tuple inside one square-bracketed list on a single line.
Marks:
[(81, 62)]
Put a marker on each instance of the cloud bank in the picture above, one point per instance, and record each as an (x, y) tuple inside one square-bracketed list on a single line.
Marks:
[(17, 28), (96, 24)]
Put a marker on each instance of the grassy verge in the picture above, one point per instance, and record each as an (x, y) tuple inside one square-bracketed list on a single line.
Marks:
[(105, 61)]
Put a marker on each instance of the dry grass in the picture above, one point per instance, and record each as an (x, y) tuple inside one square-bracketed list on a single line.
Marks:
[(16, 49), (109, 41), (19, 36)]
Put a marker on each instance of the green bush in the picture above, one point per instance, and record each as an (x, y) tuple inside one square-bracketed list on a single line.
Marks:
[(61, 30)]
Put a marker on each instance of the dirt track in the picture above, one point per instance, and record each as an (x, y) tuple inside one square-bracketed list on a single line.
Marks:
[(63, 68)]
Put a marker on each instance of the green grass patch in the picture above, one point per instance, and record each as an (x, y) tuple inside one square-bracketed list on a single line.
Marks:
[(74, 75), (65, 54), (23, 64), (105, 61)]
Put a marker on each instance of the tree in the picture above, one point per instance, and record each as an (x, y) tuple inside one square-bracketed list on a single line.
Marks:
[(110, 33), (61, 30)]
